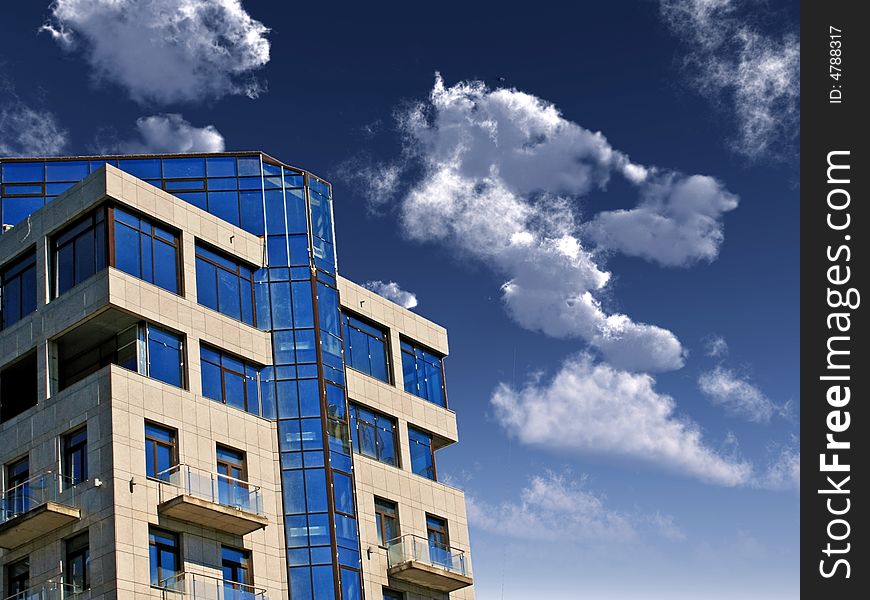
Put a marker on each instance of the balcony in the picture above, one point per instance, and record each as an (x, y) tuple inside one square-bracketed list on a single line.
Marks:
[(430, 565), (211, 500), (36, 507), (205, 587), (51, 591)]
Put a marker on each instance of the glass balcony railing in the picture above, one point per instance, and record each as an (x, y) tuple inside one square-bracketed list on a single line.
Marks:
[(212, 487), (419, 549), (36, 491), (51, 591), (205, 587)]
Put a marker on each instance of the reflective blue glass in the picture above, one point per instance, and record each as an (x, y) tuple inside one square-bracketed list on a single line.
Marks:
[(296, 531), (422, 459), (296, 220), (343, 493), (288, 398), (22, 172), (66, 170), (293, 487), (315, 490), (298, 249), (206, 290), (300, 583), (211, 380), (321, 555), (143, 168), (249, 165), (183, 167), (223, 183), (323, 584), (309, 398), (283, 347), (311, 433), (252, 212), (15, 210), (225, 205), (197, 199), (306, 347), (164, 356), (277, 249), (221, 166), (303, 310), (55, 189), (350, 585)]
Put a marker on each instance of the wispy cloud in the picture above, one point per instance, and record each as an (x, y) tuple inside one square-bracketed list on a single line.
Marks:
[(733, 62), (738, 396), (28, 130), (168, 133), (499, 175), (783, 471), (165, 50), (589, 408), (392, 292), (715, 346)]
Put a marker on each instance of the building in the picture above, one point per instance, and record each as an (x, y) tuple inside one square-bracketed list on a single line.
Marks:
[(193, 404)]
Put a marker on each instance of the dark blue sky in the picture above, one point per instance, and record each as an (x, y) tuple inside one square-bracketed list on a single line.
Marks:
[(335, 81)]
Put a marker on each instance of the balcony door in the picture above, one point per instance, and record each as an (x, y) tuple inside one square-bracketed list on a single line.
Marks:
[(17, 488), (439, 541), (236, 568), (18, 579), (232, 477)]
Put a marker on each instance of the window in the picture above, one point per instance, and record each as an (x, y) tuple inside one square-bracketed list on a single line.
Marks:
[(80, 251), (224, 285), (77, 564), (393, 595), (387, 519), (18, 391), (161, 450), (145, 250), (423, 374), (165, 358), (18, 578), (18, 290), (373, 434), (439, 541), (17, 492), (365, 347), (75, 457), (229, 380), (236, 568), (165, 557), (422, 453), (232, 475)]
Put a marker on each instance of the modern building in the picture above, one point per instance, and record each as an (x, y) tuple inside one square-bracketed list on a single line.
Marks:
[(194, 404)]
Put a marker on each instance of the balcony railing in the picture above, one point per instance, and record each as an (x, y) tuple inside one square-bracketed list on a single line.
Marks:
[(211, 487), (205, 587), (419, 549), (51, 591), (36, 491)]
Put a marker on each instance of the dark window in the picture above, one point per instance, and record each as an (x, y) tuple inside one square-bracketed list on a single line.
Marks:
[(393, 595), (387, 519), (18, 390), (423, 374), (230, 380), (77, 564), (75, 457), (165, 557), (165, 356), (17, 493), (422, 453), (365, 347), (439, 541), (80, 251), (161, 450), (224, 285), (18, 578), (145, 250), (373, 434), (236, 567), (18, 290)]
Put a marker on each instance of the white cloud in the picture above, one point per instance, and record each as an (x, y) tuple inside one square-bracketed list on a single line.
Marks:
[(168, 133), (392, 292), (733, 63), (503, 173), (592, 408), (553, 508), (26, 131), (715, 346), (165, 50), (783, 472), (737, 395)]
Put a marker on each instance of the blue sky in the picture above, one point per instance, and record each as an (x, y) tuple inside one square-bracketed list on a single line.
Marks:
[(641, 285)]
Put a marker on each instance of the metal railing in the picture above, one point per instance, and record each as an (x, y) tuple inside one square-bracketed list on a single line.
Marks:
[(413, 547), (39, 489), (205, 587), (51, 590), (209, 486)]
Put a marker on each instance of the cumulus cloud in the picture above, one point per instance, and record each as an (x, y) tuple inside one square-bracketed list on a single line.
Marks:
[(502, 175), (168, 133), (737, 395), (554, 508), (734, 63), (392, 292), (716, 346), (165, 50), (590, 408)]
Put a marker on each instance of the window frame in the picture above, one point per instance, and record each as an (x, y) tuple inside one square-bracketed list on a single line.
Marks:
[(346, 315), (56, 245), (175, 549), (173, 448), (355, 438), (406, 341), (391, 594), (380, 514), (144, 334), (152, 223), (68, 453), (246, 566), (244, 375), (411, 445), (17, 268), (70, 555), (239, 266)]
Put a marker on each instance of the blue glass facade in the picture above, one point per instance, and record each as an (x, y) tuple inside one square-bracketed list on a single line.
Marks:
[(296, 298)]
